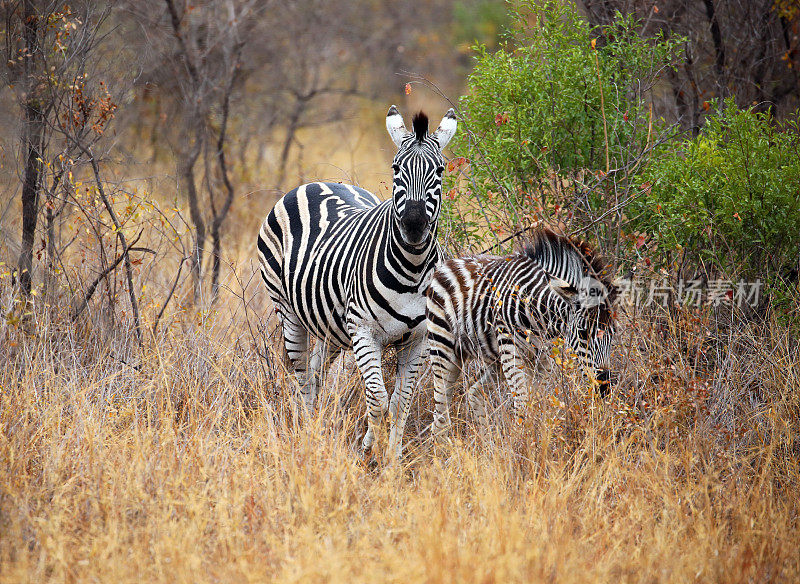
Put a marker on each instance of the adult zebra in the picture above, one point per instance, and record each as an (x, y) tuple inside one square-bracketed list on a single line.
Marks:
[(351, 270), (502, 308)]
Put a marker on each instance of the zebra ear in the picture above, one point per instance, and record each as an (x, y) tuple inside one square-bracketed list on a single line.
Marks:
[(395, 126), (564, 289), (446, 129)]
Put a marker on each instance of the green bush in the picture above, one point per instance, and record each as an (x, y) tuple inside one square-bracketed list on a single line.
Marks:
[(730, 197), (535, 107)]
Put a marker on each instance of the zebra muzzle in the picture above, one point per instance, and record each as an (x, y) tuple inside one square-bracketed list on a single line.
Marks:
[(604, 381), (414, 222)]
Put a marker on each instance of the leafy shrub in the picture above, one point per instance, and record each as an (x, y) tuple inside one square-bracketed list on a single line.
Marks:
[(559, 96), (729, 197)]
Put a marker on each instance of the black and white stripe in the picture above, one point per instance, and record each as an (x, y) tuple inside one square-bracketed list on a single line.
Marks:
[(502, 309), (351, 270)]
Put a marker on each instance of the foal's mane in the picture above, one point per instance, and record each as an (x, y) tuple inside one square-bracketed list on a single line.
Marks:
[(547, 244)]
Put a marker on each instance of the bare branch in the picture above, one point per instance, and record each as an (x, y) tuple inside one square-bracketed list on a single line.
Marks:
[(93, 286)]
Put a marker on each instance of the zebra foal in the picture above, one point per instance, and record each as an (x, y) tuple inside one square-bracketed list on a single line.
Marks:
[(351, 270), (501, 309)]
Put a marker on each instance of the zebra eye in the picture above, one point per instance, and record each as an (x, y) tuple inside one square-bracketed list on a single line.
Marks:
[(396, 168), (439, 170)]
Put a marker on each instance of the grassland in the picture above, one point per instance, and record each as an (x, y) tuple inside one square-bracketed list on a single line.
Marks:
[(179, 462)]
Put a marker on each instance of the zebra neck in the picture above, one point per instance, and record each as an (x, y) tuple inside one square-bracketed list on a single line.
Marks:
[(565, 269), (415, 256), (547, 311)]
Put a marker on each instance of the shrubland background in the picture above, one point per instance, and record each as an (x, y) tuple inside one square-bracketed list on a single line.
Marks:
[(145, 428)]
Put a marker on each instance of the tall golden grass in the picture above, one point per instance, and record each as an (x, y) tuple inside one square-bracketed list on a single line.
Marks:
[(179, 462)]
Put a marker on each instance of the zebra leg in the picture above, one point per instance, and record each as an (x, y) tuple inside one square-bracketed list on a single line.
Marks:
[(408, 361), (368, 358), (295, 339), (477, 402), (512, 367), (320, 359), (446, 367), (445, 376)]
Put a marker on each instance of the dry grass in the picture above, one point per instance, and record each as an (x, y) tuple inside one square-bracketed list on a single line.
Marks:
[(179, 463)]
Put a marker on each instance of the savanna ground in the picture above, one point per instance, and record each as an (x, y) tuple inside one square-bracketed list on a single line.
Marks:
[(179, 460), (174, 457)]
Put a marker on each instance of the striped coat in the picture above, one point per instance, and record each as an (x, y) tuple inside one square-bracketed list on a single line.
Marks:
[(351, 271), (503, 310)]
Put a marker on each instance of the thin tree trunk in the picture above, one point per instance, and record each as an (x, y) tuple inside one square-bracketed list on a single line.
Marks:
[(34, 138), (192, 123), (719, 48), (219, 217), (216, 251), (186, 173), (294, 122), (34, 131), (694, 108)]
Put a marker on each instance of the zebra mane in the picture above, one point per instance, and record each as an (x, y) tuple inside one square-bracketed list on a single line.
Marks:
[(570, 259), (420, 125)]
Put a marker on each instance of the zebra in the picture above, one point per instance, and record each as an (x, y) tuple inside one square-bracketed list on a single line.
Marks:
[(502, 309), (351, 270)]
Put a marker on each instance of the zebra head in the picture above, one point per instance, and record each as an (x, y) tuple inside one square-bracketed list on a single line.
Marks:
[(580, 277), (417, 171), (590, 330)]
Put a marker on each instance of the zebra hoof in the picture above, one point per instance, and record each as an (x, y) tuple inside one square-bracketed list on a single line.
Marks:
[(368, 460), (441, 426), (364, 456), (394, 452)]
